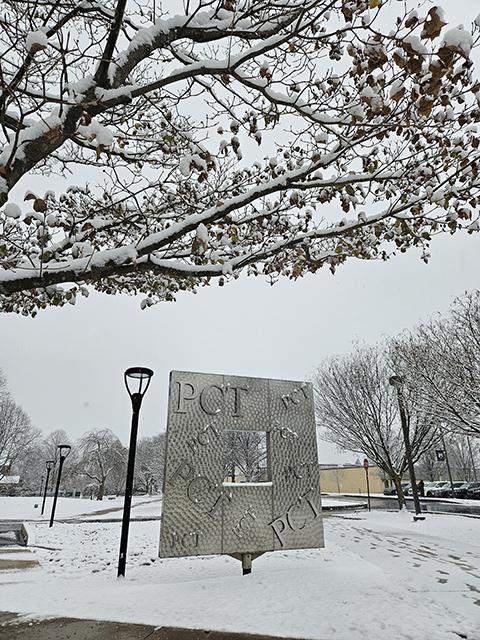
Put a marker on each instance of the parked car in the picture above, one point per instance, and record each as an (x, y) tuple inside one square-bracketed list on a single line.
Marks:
[(407, 489), (447, 492), (473, 491), (436, 488), (462, 492), (429, 485), (392, 491)]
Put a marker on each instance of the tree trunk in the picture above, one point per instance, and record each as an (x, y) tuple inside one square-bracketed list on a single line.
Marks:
[(101, 490), (397, 480)]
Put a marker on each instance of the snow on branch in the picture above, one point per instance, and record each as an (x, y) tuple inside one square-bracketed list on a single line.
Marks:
[(270, 139)]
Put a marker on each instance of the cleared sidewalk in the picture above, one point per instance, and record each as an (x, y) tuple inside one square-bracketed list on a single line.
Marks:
[(14, 628)]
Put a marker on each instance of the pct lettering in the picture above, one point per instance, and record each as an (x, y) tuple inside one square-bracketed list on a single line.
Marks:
[(294, 397), (282, 523), (186, 391), (237, 402), (186, 540), (184, 470), (219, 501), (247, 519), (195, 486), (202, 438)]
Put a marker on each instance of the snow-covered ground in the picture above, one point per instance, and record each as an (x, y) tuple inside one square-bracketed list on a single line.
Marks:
[(393, 498), (20, 508), (28, 509), (380, 575)]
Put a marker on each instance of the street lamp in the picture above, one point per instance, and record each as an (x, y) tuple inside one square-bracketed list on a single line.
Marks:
[(64, 452), (397, 382), (49, 464), (137, 381)]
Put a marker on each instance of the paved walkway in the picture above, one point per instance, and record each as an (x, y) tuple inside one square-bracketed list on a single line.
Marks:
[(16, 558), (13, 628)]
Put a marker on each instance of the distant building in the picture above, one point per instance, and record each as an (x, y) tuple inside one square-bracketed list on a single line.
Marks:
[(351, 479), (8, 485)]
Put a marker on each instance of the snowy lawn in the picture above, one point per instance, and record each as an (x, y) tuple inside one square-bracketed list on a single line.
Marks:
[(381, 575), (20, 508)]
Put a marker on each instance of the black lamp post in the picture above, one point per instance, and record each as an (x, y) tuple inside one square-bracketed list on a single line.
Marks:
[(64, 451), (49, 466), (139, 379), (42, 480), (397, 382)]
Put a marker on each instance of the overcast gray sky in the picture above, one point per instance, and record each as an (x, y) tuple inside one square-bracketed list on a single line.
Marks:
[(65, 367)]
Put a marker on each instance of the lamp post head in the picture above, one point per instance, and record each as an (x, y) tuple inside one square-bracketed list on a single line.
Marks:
[(49, 464), (137, 380), (64, 450), (396, 381)]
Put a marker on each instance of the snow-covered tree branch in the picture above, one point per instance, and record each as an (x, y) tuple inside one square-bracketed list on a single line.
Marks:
[(442, 359), (270, 138)]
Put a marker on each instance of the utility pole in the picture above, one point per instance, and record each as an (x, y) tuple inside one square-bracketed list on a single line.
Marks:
[(472, 458), (448, 466)]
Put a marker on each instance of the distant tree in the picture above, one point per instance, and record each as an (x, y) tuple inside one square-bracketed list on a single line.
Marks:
[(358, 106), (101, 453), (30, 466), (149, 464), (245, 455), (464, 456), (50, 451), (428, 467), (357, 409), (17, 435), (442, 359)]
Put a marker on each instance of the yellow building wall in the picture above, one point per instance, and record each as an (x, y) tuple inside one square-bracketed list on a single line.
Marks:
[(351, 480)]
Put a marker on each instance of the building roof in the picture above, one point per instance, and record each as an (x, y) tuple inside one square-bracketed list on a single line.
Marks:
[(10, 480)]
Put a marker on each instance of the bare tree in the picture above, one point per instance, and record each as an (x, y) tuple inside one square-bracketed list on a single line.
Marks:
[(246, 454), (149, 464), (357, 107), (357, 409), (17, 434), (428, 467), (464, 456), (102, 453), (442, 359)]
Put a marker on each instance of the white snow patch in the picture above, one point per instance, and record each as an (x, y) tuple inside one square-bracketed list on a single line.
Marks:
[(416, 44), (12, 210), (459, 39), (36, 40)]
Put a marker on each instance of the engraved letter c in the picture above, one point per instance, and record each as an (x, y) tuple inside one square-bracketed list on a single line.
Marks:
[(210, 412), (291, 523)]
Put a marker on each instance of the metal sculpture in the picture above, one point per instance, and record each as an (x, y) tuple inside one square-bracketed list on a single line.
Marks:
[(203, 514)]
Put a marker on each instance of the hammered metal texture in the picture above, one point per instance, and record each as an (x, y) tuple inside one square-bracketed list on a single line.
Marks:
[(203, 516), (246, 520)]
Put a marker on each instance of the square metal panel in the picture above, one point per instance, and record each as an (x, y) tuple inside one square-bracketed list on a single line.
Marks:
[(202, 515)]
